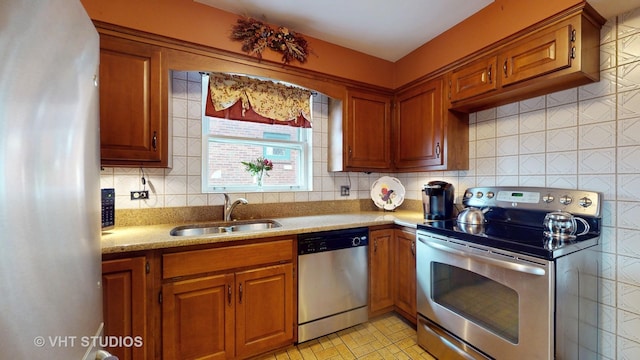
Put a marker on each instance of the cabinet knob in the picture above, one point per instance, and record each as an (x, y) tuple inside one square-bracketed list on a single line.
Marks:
[(489, 73), (504, 68), (438, 150)]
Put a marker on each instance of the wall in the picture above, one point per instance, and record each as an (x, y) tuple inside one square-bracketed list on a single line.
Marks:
[(194, 22), (496, 21), (181, 185), (197, 23), (586, 138)]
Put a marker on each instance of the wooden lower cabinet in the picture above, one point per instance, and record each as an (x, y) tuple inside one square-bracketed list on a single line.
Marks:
[(198, 318), (228, 316), (124, 305), (405, 273), (392, 272), (264, 309), (380, 271)]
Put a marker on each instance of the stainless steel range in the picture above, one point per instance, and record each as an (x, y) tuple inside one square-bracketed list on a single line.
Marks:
[(515, 276)]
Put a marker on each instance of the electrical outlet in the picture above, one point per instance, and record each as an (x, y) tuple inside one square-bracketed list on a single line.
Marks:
[(139, 195), (344, 190)]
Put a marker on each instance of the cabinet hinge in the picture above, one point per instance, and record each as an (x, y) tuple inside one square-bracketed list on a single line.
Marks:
[(147, 267), (160, 297)]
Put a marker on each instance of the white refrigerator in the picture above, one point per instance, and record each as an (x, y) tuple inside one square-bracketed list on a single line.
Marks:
[(50, 273)]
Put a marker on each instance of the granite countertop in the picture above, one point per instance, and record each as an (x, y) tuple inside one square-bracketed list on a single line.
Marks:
[(137, 238)]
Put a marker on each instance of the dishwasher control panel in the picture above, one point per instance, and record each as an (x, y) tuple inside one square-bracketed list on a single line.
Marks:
[(317, 242)]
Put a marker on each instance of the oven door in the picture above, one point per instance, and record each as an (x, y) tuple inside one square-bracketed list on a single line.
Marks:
[(498, 302)]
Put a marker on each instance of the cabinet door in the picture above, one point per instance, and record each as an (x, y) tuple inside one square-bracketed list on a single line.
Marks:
[(548, 52), (124, 304), (380, 270), (405, 277), (198, 318), (264, 309), (474, 79), (133, 119), (367, 131), (419, 127)]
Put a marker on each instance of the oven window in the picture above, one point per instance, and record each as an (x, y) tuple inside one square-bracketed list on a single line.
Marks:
[(477, 298)]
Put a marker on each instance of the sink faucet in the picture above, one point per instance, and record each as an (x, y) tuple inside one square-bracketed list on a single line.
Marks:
[(228, 208)]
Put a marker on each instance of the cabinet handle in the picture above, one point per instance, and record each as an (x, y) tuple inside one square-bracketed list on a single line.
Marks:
[(573, 52), (229, 291), (240, 294), (350, 153), (413, 248), (504, 68), (438, 150), (375, 246), (573, 35), (154, 141), (489, 72)]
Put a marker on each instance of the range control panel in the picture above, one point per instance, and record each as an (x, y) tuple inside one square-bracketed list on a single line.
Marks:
[(535, 198)]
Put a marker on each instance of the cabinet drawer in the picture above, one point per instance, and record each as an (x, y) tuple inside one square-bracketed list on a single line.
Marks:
[(219, 259)]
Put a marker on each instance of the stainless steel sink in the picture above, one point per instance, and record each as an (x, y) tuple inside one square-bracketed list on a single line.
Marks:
[(224, 227)]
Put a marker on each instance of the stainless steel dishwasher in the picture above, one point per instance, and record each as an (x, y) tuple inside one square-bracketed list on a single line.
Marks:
[(332, 281)]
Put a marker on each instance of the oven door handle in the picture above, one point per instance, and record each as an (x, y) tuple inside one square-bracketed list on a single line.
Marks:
[(525, 268)]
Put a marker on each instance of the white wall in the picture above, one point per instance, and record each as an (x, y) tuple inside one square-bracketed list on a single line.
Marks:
[(587, 138)]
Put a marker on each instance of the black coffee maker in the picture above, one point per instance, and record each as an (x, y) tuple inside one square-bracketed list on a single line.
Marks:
[(437, 200)]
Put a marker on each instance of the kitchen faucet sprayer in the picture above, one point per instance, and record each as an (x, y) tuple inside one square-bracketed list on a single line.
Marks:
[(228, 208)]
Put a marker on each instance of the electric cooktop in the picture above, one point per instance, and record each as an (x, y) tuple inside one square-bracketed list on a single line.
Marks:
[(514, 217)]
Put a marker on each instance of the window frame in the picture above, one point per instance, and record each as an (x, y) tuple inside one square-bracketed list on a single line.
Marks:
[(303, 144)]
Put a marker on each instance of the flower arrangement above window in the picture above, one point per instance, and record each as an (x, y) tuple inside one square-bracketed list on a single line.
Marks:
[(257, 36)]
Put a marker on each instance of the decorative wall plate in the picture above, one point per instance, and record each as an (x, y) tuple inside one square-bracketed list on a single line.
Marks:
[(387, 193)]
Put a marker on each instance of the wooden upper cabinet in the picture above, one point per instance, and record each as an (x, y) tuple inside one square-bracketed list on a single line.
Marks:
[(556, 54), (367, 131), (477, 78), (133, 103), (419, 127), (545, 53)]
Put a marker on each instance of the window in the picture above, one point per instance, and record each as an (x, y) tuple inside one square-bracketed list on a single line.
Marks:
[(226, 143)]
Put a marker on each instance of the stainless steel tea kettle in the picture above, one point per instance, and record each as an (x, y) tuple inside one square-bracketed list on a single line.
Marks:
[(562, 225), (472, 216)]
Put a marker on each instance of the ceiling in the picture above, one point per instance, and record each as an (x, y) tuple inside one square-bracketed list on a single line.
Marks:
[(382, 28)]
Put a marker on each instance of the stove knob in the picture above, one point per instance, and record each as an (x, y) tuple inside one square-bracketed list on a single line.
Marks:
[(566, 200), (490, 195), (479, 194), (585, 202), (548, 198), (355, 241), (468, 194)]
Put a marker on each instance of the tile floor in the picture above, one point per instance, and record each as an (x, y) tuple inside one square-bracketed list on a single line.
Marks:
[(384, 337)]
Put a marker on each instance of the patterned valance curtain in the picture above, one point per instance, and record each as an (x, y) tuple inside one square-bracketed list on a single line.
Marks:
[(247, 99)]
